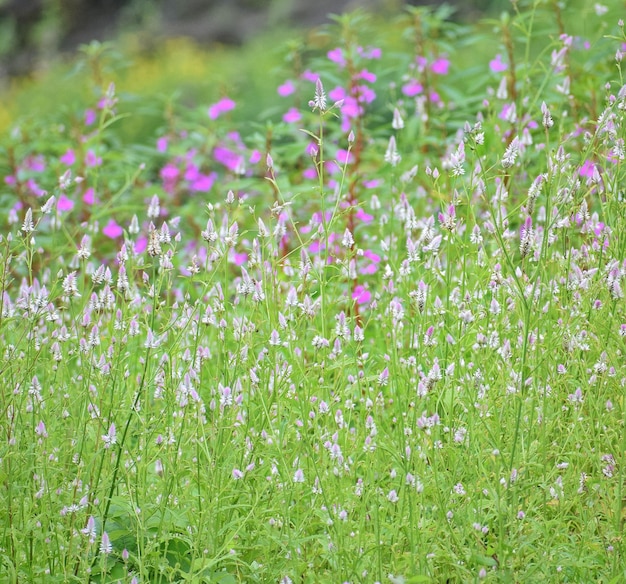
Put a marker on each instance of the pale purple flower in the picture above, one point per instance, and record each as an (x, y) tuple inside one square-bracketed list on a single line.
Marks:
[(110, 438), (106, 547)]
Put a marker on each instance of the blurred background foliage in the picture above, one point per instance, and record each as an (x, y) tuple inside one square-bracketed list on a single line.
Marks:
[(59, 56)]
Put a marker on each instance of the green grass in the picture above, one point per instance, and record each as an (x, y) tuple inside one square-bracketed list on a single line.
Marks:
[(298, 350)]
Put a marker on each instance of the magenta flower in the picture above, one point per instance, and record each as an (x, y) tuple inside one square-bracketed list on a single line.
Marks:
[(203, 182), (91, 159), (412, 88), (587, 169), (311, 76), (344, 157), (440, 66), (255, 157), (370, 52), (222, 106), (90, 117), (68, 158), (161, 144), (64, 204), (367, 76), (287, 88), (336, 56), (497, 65), (112, 229), (90, 196), (361, 295), (361, 215), (292, 116)]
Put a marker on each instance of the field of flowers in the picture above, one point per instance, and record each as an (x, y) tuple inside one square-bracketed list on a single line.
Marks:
[(374, 331)]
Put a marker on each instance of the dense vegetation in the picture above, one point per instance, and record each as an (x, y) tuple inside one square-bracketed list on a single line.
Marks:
[(369, 328)]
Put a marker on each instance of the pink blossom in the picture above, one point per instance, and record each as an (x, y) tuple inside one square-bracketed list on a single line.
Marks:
[(112, 229), (227, 157), (440, 66), (90, 117), (372, 184), (361, 215), (292, 116), (9, 179), (255, 157), (366, 94), (64, 204), (91, 159), (351, 108), (141, 244), (287, 88), (370, 52), (412, 88), (344, 157), (370, 255), (68, 158), (161, 144), (367, 76), (222, 106), (497, 65), (309, 173), (35, 163), (203, 182), (89, 196), (337, 93), (311, 76), (369, 269), (239, 258), (35, 188), (336, 56), (587, 168), (361, 295)]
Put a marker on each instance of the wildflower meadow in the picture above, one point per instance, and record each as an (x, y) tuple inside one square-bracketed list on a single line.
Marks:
[(364, 325)]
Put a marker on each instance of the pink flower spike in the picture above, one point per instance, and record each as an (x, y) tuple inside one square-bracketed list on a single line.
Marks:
[(222, 106), (497, 65), (68, 158), (361, 295), (64, 204), (112, 229), (440, 66), (287, 88)]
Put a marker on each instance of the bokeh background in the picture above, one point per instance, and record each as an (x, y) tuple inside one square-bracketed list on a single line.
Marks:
[(33, 32)]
